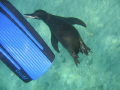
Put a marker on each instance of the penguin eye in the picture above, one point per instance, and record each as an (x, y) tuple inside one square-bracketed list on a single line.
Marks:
[(36, 13), (36, 17)]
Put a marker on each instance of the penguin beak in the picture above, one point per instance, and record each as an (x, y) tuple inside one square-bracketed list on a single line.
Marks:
[(30, 16)]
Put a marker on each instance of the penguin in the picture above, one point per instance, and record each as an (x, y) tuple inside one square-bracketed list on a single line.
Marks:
[(63, 31)]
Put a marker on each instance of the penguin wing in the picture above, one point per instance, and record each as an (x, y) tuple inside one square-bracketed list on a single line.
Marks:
[(73, 20), (54, 42)]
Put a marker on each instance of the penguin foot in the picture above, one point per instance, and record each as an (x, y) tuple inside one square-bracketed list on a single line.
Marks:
[(75, 57), (76, 61), (84, 49)]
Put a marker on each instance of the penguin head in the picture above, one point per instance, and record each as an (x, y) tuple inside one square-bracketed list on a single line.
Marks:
[(38, 14)]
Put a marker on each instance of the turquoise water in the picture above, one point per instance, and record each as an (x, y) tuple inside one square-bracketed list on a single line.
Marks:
[(98, 71)]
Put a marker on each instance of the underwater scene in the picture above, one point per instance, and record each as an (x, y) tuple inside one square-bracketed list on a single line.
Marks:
[(96, 66)]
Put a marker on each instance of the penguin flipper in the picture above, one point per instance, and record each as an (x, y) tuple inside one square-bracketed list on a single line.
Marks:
[(54, 42), (75, 21)]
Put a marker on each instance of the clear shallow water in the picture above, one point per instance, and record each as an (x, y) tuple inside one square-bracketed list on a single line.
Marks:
[(98, 71)]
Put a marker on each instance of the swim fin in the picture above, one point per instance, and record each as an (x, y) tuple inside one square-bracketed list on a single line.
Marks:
[(21, 48)]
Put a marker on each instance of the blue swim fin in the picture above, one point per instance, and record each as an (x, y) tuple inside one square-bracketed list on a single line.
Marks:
[(21, 48)]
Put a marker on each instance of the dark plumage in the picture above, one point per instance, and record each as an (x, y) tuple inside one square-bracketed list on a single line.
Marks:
[(62, 30)]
